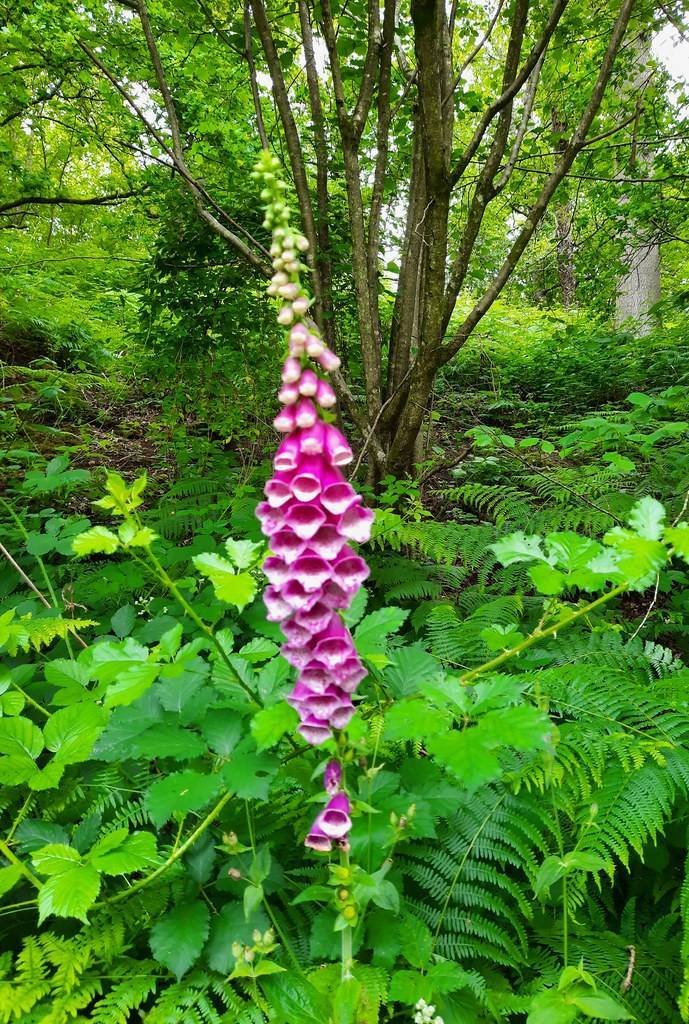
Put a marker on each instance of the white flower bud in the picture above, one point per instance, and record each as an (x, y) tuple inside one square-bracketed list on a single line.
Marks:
[(286, 316), (300, 305)]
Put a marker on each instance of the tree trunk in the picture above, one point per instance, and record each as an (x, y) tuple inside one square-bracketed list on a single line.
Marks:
[(639, 287)]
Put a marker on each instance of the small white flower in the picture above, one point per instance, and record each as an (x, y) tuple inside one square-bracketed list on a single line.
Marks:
[(439, 1020)]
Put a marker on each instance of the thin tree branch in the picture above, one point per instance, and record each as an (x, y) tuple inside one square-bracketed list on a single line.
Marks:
[(508, 94), (249, 54), (540, 206), (114, 197), (197, 191), (529, 97), (477, 49)]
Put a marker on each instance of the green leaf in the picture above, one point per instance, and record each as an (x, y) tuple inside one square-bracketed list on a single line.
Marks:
[(9, 877), (647, 518), (237, 589), (69, 893), (20, 736), (638, 558), (250, 775), (346, 1001), (259, 649), (417, 941), (550, 1008), (180, 793), (518, 547), (547, 580), (123, 620), (373, 630), (678, 537), (96, 541), (501, 638), (179, 936), (243, 553), (72, 732), (408, 987), (132, 682), (269, 725), (414, 719), (55, 858), (231, 926), (598, 1005), (253, 898), (550, 871), (121, 852)]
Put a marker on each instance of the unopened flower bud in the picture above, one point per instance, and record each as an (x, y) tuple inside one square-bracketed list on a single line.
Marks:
[(249, 955), (256, 935), (285, 316), (288, 254), (288, 394), (300, 305), (343, 894), (279, 279), (289, 291), (393, 818), (291, 371), (268, 937), (403, 822), (349, 913), (237, 950), (329, 361), (292, 266), (302, 243)]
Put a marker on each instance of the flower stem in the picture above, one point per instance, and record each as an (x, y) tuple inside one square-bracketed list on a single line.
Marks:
[(347, 933)]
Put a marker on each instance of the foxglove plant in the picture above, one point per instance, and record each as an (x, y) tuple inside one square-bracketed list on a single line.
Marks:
[(311, 514)]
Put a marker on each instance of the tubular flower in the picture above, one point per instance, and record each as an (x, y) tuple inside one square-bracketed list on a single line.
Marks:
[(311, 514), (333, 824)]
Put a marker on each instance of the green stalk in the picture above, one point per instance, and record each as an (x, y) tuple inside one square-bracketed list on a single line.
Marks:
[(539, 634), (347, 934), (174, 856), (13, 859)]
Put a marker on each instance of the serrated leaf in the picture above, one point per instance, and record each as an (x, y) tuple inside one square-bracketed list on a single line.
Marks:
[(19, 736), (518, 547), (72, 732), (96, 541), (180, 793), (243, 553), (55, 858), (547, 580), (373, 630), (678, 537), (269, 725), (179, 936), (69, 893), (121, 852), (647, 518), (233, 588), (249, 774), (123, 620)]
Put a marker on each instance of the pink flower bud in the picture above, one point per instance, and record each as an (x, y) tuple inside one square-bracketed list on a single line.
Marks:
[(308, 383), (305, 413), (291, 371), (314, 346), (325, 396), (288, 394), (289, 291), (329, 361), (286, 316), (285, 420), (300, 305), (279, 279)]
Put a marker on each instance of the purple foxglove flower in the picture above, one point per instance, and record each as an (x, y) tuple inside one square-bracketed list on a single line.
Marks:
[(334, 820), (315, 730), (332, 777), (318, 840), (310, 513)]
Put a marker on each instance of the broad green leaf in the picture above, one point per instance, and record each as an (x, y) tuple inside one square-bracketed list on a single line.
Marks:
[(373, 630), (598, 1005), (121, 852), (62, 672), (96, 541), (501, 638), (638, 558), (72, 732), (259, 649), (70, 893), (414, 720), (250, 775), (678, 537), (518, 547), (269, 725), (547, 580), (132, 681), (20, 736), (124, 620), (243, 553), (550, 1008), (647, 518), (233, 588), (408, 987), (231, 926), (179, 936), (9, 877), (550, 871), (346, 1001), (180, 793), (55, 858)]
